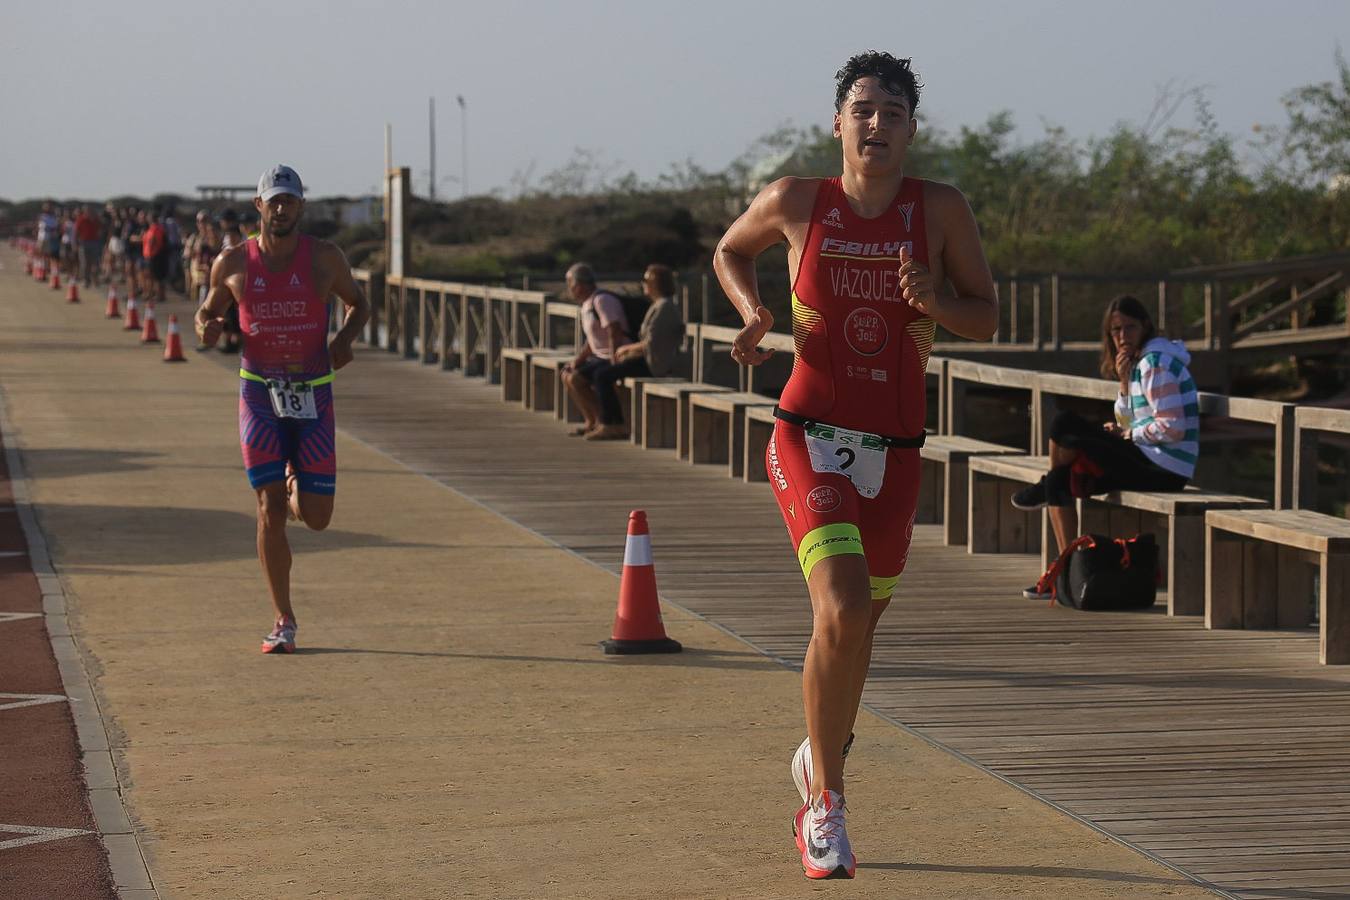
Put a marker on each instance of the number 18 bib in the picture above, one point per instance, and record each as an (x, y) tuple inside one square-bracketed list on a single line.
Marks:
[(292, 401)]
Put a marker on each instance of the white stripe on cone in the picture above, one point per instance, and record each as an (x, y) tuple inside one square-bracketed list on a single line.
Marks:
[(637, 550)]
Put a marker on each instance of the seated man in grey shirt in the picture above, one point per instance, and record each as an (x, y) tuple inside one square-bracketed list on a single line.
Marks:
[(653, 353)]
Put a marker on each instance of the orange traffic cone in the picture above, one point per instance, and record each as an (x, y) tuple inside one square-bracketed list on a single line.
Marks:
[(56, 281), (150, 333), (637, 623), (112, 312), (73, 293), (173, 347), (132, 322)]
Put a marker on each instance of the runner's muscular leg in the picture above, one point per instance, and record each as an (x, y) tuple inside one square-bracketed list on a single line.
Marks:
[(841, 604), (274, 551), (864, 660), (315, 510)]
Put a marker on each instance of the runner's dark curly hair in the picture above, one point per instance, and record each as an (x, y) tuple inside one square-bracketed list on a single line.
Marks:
[(894, 74)]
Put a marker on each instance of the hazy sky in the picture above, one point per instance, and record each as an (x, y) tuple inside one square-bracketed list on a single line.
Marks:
[(143, 96)]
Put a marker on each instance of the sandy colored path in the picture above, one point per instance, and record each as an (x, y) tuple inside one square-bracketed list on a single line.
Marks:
[(451, 729)]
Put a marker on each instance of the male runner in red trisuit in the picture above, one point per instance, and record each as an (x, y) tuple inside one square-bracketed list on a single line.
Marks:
[(282, 281), (877, 261)]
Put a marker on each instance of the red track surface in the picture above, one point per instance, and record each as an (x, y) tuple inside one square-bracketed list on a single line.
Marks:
[(41, 781)]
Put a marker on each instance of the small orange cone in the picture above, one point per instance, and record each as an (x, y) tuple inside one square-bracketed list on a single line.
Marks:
[(173, 347), (72, 293), (637, 622), (56, 281), (132, 322), (150, 333), (112, 312)]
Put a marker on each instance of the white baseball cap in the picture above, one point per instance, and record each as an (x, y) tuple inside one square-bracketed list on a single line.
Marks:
[(280, 180)]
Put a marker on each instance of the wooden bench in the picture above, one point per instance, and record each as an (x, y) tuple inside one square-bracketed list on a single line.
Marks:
[(547, 391), (630, 399), (1261, 564), (994, 525), (944, 482), (717, 427), (516, 372), (1178, 519), (665, 413)]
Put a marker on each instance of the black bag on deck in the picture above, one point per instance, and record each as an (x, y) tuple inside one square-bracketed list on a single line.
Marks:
[(1099, 572)]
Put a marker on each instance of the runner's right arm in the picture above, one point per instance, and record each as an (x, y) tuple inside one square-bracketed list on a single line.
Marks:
[(210, 318), (768, 221)]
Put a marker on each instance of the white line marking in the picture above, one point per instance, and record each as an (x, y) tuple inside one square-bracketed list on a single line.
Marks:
[(20, 700), (6, 554), (36, 835), (14, 617)]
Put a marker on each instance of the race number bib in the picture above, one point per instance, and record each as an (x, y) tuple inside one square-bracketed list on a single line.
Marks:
[(292, 401), (856, 454)]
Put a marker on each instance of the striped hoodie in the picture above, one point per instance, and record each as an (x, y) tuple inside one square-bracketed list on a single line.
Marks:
[(1162, 412)]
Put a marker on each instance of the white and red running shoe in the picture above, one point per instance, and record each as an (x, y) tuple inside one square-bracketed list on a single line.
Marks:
[(803, 768), (822, 840), (282, 638)]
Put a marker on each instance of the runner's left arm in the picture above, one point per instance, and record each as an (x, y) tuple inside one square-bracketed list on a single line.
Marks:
[(970, 309), (357, 308)]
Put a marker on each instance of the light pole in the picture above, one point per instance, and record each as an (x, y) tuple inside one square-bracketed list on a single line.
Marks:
[(463, 147)]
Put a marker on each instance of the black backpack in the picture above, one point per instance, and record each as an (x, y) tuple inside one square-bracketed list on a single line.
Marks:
[(634, 309), (1099, 572)]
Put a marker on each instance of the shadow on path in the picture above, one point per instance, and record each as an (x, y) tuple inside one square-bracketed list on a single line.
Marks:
[(1027, 872), (705, 659), (172, 535)]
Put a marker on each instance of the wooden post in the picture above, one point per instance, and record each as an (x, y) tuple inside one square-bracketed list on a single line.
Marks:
[(1036, 340), (1225, 328), (468, 336), (956, 404), (444, 338), (1223, 587), (1055, 340), (1209, 315), (376, 308), (492, 339), (943, 424), (1305, 468), (1286, 467), (410, 314), (1012, 310), (1163, 311), (424, 326), (1335, 608)]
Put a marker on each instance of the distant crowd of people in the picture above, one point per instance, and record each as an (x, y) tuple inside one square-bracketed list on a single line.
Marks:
[(145, 249)]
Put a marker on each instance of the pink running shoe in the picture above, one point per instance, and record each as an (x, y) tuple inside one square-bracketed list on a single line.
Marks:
[(282, 638)]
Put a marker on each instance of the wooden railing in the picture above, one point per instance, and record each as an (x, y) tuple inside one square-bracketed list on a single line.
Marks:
[(465, 326), (1245, 304)]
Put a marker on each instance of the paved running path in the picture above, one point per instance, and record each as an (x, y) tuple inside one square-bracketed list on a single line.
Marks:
[(452, 730)]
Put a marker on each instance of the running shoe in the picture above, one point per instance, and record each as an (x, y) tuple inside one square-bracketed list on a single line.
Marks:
[(803, 768), (1033, 496), (822, 840), (282, 638)]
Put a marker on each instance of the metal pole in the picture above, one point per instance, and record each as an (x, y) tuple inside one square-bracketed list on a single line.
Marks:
[(431, 111), (463, 147)]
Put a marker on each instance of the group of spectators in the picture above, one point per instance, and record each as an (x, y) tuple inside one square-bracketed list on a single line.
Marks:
[(145, 249), (616, 348)]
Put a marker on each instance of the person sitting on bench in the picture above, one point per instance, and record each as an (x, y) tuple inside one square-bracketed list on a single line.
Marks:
[(1151, 446)]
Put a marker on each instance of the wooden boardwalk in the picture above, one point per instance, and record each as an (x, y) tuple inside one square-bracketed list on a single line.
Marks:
[(1224, 754)]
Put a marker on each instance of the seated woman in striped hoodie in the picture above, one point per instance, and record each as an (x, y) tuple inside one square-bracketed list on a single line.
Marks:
[(1154, 441)]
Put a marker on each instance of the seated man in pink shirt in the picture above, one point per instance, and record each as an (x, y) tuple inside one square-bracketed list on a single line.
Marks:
[(604, 327)]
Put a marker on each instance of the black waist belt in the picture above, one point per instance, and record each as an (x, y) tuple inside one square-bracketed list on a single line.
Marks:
[(793, 418)]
